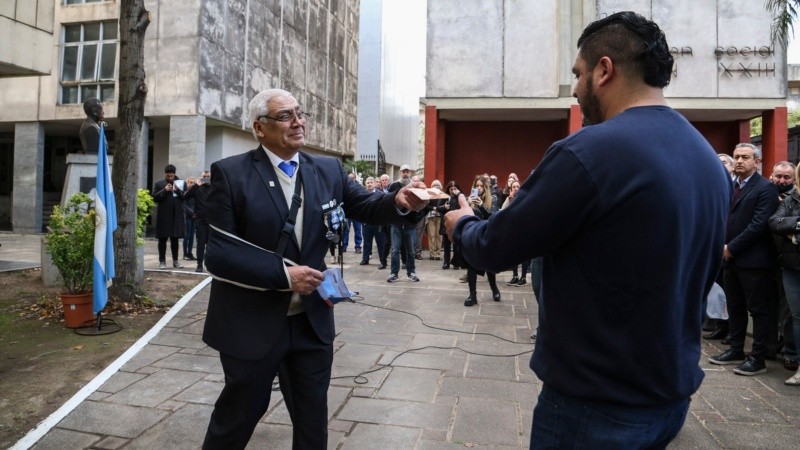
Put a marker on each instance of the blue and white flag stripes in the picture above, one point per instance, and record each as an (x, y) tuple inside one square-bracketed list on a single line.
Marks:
[(106, 222)]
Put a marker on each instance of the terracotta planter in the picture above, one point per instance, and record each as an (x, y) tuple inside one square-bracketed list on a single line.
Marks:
[(77, 309)]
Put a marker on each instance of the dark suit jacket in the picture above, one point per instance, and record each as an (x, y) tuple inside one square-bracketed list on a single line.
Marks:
[(246, 200), (750, 241), (170, 220)]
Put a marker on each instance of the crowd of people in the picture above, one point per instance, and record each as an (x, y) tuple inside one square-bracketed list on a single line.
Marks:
[(761, 266)]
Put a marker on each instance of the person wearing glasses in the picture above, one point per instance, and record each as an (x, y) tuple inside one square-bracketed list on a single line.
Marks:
[(264, 312)]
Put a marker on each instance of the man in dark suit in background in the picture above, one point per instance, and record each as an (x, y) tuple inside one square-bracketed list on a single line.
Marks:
[(749, 261), (264, 310)]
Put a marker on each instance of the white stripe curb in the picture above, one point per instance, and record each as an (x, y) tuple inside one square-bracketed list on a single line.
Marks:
[(47, 424)]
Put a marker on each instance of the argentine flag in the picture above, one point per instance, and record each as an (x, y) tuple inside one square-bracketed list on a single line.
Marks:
[(106, 222)]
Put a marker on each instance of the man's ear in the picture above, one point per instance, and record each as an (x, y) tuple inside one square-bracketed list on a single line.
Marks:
[(604, 71), (257, 126)]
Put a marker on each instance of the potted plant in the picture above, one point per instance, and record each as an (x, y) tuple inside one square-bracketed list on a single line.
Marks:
[(70, 242)]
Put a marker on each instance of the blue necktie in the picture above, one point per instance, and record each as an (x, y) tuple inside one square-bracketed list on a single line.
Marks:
[(288, 167)]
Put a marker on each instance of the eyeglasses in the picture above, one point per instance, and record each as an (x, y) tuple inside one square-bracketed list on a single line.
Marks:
[(288, 116)]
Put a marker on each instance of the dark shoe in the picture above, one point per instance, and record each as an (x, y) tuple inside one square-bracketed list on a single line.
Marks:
[(751, 367), (496, 296), (726, 340), (729, 356), (470, 301), (521, 282), (790, 364), (445, 266), (418, 257), (513, 281), (382, 266), (403, 266), (456, 267), (199, 269), (358, 249), (363, 263), (718, 333), (709, 324), (189, 257), (438, 258), (392, 278), (413, 277), (431, 258)]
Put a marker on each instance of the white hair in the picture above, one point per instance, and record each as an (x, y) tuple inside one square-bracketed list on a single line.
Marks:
[(259, 105)]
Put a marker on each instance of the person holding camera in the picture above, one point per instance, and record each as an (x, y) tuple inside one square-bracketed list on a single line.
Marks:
[(170, 224), (198, 193)]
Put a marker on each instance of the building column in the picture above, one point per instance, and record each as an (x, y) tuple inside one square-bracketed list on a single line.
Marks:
[(575, 118), (775, 138), (187, 145), (434, 146), (28, 191)]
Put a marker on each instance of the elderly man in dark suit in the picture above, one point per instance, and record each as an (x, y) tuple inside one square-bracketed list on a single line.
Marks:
[(267, 243), (749, 261)]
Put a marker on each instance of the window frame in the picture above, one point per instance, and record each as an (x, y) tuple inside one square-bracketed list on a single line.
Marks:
[(97, 81)]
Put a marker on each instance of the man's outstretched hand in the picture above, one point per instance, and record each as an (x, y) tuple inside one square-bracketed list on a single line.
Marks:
[(405, 199), (451, 218)]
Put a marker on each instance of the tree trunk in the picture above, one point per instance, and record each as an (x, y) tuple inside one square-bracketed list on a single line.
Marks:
[(133, 21)]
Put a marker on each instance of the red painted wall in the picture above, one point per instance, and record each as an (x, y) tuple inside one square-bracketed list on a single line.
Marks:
[(497, 148), (723, 136)]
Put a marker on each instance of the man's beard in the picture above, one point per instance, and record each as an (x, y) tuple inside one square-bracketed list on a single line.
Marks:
[(590, 105)]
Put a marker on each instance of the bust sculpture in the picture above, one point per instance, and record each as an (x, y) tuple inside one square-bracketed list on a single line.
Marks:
[(90, 128)]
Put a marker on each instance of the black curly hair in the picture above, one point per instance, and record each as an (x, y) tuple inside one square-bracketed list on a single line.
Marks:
[(631, 41)]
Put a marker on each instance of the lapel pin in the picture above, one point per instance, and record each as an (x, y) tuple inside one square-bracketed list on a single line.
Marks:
[(271, 184)]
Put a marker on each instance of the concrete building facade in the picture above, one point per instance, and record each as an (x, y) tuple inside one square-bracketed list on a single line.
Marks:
[(499, 81), (391, 76), (204, 59)]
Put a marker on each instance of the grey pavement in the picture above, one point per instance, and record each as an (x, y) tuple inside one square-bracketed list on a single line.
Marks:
[(418, 377)]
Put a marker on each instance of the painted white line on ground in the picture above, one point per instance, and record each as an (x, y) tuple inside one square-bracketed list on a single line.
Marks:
[(47, 424)]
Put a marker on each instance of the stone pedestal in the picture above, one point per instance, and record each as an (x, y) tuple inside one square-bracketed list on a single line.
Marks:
[(81, 174)]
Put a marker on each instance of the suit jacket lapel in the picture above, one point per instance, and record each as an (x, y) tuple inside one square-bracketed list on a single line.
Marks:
[(308, 172), (270, 180), (751, 183)]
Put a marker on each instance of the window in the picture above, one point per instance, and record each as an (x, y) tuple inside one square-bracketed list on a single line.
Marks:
[(75, 2), (88, 61)]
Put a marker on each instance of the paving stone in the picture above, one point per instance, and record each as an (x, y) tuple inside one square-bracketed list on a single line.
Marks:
[(366, 436), (111, 419), (388, 340), (175, 339), (194, 363), (741, 405), (358, 356), (395, 412), (60, 439), (178, 322), (156, 388), (185, 428), (171, 405), (418, 385), (203, 391), (346, 376), (343, 426), (433, 340), (110, 443), (119, 381), (453, 363), (195, 327), (490, 389), (756, 435), (97, 396), (148, 355), (486, 422), (498, 368)]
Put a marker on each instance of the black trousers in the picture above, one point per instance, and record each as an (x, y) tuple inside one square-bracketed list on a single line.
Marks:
[(749, 290), (201, 229), (162, 248), (305, 372)]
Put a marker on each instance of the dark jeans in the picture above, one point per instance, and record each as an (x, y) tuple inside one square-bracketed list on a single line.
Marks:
[(403, 234), (472, 281), (748, 290), (188, 240), (447, 246), (563, 421), (536, 278), (162, 248), (791, 283), (371, 232), (524, 266)]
